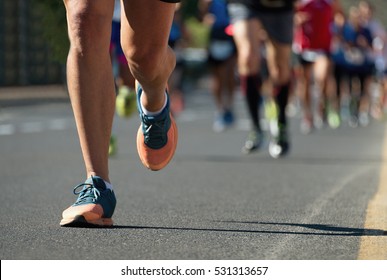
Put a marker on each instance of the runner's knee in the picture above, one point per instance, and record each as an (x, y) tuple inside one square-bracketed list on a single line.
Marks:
[(150, 62), (282, 74), (87, 30), (248, 62)]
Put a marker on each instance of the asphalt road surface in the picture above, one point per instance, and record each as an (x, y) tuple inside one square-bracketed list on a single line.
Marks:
[(211, 202)]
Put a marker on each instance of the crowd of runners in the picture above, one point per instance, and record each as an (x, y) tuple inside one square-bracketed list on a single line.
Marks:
[(330, 67)]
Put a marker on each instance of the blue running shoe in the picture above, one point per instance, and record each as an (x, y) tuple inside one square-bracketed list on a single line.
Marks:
[(94, 207), (228, 117), (219, 124), (156, 137)]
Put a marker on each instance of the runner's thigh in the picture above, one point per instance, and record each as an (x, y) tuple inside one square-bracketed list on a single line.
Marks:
[(146, 23)]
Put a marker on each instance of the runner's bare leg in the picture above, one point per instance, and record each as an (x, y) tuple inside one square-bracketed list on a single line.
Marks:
[(90, 79), (145, 44)]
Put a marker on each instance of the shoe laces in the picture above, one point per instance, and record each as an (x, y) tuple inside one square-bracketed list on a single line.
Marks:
[(154, 131), (89, 193)]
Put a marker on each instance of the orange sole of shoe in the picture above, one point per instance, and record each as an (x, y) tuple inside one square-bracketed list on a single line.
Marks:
[(81, 221)]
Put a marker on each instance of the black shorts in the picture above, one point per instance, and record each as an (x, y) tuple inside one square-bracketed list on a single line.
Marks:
[(308, 57), (278, 25)]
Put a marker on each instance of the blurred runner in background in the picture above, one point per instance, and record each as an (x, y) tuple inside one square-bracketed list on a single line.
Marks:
[(275, 17), (353, 57), (124, 81), (178, 40), (312, 44), (221, 59), (379, 45)]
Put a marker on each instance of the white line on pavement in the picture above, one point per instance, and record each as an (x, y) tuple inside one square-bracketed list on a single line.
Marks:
[(7, 129)]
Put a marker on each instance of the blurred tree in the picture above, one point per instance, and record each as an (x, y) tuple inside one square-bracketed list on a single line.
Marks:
[(55, 27), (189, 8)]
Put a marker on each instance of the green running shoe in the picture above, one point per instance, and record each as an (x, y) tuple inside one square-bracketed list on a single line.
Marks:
[(333, 119), (113, 145), (126, 103)]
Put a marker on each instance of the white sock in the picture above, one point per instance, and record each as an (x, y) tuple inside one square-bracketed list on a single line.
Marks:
[(152, 114), (108, 185)]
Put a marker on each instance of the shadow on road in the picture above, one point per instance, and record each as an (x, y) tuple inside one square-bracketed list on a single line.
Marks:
[(318, 229)]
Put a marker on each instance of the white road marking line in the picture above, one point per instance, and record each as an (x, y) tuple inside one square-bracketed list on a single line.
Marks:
[(35, 127), (7, 129), (58, 124), (31, 127)]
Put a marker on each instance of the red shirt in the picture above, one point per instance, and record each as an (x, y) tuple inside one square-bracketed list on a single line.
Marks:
[(315, 33)]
